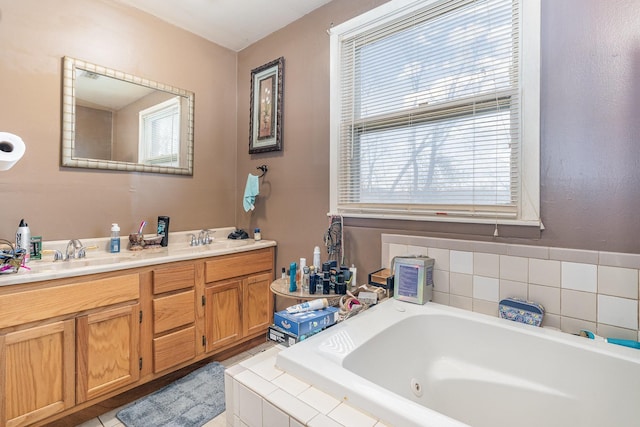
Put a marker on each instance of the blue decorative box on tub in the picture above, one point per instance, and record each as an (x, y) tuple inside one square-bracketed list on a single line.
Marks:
[(520, 310)]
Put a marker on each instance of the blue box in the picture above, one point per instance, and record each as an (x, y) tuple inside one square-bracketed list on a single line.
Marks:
[(305, 322)]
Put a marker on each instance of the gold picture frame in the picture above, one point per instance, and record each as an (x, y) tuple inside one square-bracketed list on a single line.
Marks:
[(265, 120)]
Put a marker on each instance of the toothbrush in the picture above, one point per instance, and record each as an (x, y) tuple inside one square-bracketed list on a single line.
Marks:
[(618, 341), (142, 224)]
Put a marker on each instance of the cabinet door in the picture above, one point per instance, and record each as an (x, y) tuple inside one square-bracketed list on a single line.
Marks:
[(107, 351), (36, 373), (223, 314), (258, 304)]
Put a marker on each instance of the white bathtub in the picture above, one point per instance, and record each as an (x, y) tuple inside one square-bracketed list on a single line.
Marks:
[(433, 365)]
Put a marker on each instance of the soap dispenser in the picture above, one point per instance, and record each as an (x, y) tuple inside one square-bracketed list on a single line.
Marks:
[(114, 244)]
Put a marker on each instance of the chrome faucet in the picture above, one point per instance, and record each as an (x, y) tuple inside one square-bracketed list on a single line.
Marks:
[(193, 241), (204, 238), (77, 250)]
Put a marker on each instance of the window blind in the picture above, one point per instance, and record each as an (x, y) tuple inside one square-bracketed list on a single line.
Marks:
[(429, 113), (161, 134)]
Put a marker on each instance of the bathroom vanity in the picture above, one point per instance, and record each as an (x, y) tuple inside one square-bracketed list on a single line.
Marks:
[(73, 335)]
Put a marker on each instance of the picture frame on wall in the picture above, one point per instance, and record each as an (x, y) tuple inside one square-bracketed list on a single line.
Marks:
[(265, 119)]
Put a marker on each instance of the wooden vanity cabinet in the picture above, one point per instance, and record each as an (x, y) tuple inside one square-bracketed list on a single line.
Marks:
[(65, 342), (37, 372), (237, 297), (107, 355), (174, 315)]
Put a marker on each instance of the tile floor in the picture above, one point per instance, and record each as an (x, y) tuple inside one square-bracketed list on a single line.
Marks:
[(109, 419)]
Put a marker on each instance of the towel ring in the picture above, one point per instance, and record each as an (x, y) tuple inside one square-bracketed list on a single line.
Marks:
[(264, 170)]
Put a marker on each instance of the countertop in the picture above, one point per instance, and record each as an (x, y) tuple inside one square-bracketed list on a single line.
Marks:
[(100, 260)]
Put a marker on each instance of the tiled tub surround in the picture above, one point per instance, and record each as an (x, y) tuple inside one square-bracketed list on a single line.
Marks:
[(258, 394), (578, 289)]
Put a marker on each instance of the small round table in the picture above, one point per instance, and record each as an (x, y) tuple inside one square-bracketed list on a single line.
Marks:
[(281, 287)]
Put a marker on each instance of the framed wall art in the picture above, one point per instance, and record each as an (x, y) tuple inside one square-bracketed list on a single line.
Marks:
[(265, 121)]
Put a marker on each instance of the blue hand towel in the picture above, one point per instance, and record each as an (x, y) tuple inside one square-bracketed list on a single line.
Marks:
[(250, 192)]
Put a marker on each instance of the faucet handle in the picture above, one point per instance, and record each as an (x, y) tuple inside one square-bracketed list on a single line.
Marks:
[(193, 241), (57, 255)]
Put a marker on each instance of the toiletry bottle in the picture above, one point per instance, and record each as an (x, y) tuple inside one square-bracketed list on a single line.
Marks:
[(114, 244), (305, 278), (316, 258), (354, 271), (256, 235), (303, 263), (317, 304), (284, 273), (163, 230), (23, 239), (293, 268)]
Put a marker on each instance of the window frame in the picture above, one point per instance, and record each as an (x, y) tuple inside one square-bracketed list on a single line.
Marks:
[(529, 68), (148, 115)]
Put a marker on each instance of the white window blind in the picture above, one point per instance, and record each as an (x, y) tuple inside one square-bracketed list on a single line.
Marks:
[(426, 107), (160, 134)]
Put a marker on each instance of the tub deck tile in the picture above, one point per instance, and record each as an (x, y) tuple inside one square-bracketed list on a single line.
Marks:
[(349, 416)]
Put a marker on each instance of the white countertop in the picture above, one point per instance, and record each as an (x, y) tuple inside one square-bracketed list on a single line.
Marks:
[(100, 260)]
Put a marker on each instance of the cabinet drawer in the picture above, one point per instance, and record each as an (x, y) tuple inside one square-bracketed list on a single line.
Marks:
[(228, 266), (39, 304), (173, 278), (173, 311), (174, 348)]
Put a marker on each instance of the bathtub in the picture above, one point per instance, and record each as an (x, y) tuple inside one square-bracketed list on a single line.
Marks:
[(434, 365)]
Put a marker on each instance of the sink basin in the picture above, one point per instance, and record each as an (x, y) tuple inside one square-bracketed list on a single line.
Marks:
[(229, 243), (215, 245), (126, 256), (67, 265)]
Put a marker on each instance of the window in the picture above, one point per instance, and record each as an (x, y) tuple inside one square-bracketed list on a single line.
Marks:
[(435, 112), (160, 134)]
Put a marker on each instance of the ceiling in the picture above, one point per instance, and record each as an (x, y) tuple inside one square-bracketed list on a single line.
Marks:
[(234, 24)]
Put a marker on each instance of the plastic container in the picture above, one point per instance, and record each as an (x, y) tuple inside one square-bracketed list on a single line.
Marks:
[(114, 244), (256, 235), (23, 239)]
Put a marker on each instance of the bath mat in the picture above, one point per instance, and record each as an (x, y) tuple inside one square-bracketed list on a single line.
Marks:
[(191, 401)]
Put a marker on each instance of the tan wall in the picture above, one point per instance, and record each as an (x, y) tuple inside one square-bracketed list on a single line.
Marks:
[(589, 155), (294, 195), (589, 166), (60, 203)]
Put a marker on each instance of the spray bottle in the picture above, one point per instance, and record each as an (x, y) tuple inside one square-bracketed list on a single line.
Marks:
[(23, 239)]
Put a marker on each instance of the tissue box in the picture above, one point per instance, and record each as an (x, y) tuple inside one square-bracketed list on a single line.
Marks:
[(520, 310), (305, 322), (285, 338)]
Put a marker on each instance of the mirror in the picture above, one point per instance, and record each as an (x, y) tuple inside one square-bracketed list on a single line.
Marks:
[(117, 121)]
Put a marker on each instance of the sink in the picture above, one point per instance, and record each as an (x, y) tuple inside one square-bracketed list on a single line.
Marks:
[(51, 266), (215, 245), (126, 256), (67, 265), (229, 243)]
